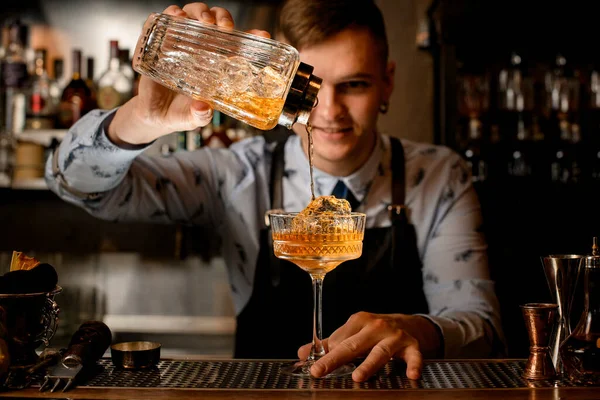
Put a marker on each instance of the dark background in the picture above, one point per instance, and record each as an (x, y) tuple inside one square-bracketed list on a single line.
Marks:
[(525, 218)]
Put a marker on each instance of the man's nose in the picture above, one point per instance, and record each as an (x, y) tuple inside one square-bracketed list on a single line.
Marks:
[(330, 107)]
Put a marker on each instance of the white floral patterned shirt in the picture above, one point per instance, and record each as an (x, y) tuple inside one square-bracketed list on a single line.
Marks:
[(228, 189)]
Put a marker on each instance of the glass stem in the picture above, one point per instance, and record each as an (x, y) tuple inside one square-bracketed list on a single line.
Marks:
[(317, 351)]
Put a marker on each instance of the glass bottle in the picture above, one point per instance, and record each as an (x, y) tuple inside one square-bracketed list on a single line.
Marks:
[(521, 154), (256, 80), (580, 352), (57, 85), (14, 79), (41, 109), (114, 87), (126, 63), (515, 86), (560, 165), (474, 153), (75, 100), (60, 78), (89, 80)]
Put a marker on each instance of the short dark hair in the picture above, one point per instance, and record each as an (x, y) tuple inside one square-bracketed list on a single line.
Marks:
[(309, 22)]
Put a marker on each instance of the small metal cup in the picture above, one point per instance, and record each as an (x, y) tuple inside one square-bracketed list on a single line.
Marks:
[(135, 355), (539, 320)]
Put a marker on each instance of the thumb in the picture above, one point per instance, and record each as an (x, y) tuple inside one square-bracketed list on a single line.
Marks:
[(201, 113)]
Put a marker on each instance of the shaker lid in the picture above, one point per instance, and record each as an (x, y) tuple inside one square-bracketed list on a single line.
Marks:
[(301, 98), (593, 261)]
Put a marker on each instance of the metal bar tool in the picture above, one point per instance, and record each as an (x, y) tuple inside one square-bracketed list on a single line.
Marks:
[(86, 347), (539, 321), (20, 378)]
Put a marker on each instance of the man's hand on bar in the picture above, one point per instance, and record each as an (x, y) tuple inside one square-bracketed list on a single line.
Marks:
[(379, 337)]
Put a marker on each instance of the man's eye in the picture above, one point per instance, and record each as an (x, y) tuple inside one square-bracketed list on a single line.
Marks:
[(355, 85)]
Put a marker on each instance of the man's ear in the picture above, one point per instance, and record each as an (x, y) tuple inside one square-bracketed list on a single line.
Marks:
[(388, 80)]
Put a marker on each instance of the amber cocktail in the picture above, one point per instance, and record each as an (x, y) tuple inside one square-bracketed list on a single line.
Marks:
[(317, 244)]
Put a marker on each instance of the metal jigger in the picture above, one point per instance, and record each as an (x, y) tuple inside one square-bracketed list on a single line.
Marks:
[(539, 320), (562, 272)]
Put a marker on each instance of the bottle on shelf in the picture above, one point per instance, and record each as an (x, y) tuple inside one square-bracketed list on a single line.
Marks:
[(13, 89), (61, 79), (126, 63), (521, 154), (14, 79), (474, 152), (566, 166), (114, 87), (76, 96), (515, 86), (562, 97), (57, 84), (41, 109), (89, 80)]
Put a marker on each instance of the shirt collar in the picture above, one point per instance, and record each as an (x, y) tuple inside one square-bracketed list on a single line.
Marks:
[(358, 182)]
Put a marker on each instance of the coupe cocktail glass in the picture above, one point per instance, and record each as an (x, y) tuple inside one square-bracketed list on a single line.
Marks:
[(317, 244)]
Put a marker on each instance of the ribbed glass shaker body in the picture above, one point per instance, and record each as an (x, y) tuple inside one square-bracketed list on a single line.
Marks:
[(244, 76)]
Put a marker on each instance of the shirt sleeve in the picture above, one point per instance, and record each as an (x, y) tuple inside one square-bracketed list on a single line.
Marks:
[(126, 184), (457, 284)]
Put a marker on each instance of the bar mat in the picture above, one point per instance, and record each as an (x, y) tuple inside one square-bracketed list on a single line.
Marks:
[(260, 374)]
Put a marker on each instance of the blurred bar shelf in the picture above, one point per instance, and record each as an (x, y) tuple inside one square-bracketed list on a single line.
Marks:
[(29, 184), (198, 325), (42, 136)]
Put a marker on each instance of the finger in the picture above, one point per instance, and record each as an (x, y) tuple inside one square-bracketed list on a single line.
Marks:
[(174, 10), (414, 361), (347, 350), (199, 11), (355, 323), (377, 358), (304, 351), (201, 112), (260, 33), (223, 17)]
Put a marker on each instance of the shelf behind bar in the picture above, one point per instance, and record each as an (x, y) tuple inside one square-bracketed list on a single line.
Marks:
[(41, 136)]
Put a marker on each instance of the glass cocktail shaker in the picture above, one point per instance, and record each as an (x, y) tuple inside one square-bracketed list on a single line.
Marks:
[(580, 352), (256, 80)]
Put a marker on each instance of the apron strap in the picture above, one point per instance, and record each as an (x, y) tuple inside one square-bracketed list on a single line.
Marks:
[(277, 170), (276, 192), (398, 211)]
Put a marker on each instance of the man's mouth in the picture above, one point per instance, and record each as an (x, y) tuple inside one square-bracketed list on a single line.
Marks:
[(333, 131)]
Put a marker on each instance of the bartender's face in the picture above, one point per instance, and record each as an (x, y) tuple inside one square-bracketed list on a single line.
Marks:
[(356, 81)]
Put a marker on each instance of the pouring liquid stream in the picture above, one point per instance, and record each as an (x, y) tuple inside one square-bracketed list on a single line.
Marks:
[(308, 127)]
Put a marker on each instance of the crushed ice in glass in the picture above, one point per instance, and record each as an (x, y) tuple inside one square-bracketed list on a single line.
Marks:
[(324, 215)]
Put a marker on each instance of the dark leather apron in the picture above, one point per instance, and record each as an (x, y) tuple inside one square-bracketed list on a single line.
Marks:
[(386, 279)]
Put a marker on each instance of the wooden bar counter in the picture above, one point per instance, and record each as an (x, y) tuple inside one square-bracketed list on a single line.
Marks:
[(261, 379)]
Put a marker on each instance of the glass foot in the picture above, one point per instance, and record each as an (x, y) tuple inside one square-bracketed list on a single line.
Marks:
[(302, 368)]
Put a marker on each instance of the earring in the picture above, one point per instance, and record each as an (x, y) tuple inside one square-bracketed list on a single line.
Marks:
[(383, 108)]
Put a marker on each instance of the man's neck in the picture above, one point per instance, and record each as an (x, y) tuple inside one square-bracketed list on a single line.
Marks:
[(345, 167)]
